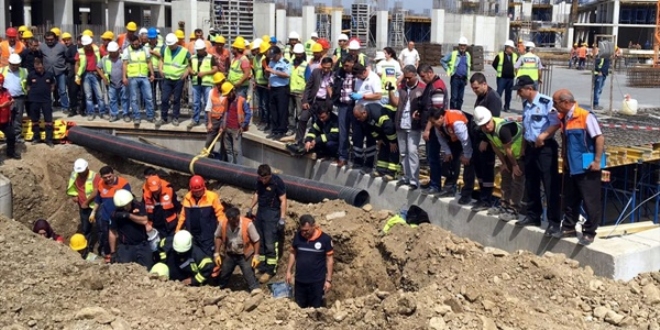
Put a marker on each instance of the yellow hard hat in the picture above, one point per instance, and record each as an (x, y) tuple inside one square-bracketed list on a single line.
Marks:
[(239, 43), (584, 44), (108, 35), (226, 88), (220, 40), (265, 46), (265, 38), (78, 242), (131, 26), (218, 77), (88, 33), (616, 48), (317, 48), (28, 34), (179, 34), (161, 270), (193, 36), (66, 35), (22, 28), (575, 44), (57, 31)]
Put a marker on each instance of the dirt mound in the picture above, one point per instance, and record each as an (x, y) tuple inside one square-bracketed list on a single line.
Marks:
[(424, 278)]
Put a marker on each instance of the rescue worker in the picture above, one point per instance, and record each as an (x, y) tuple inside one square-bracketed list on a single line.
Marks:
[(529, 65), (601, 70), (299, 78), (317, 95), (123, 40), (128, 231), (236, 121), (155, 46), (313, 255), (452, 130), (376, 122), (111, 69), (78, 243), (323, 137), (201, 214), (314, 37), (15, 83), (540, 123), (239, 69), (6, 126), (82, 190), (279, 74), (261, 88), (222, 55), (344, 85), (138, 75), (162, 205), (354, 49), (174, 64), (202, 68), (270, 195), (506, 139), (87, 61), (368, 90), (504, 65), (237, 244), (11, 45), (216, 106), (582, 56), (458, 64), (40, 86), (582, 138), (341, 51), (186, 261), (104, 206)]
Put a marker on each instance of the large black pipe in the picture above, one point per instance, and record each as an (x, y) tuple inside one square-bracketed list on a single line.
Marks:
[(300, 189)]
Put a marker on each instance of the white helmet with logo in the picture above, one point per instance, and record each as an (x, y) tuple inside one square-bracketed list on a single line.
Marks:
[(482, 115)]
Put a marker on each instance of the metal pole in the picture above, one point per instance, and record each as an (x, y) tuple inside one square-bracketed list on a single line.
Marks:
[(612, 78)]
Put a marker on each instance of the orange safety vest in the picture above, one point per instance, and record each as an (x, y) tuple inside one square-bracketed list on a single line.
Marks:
[(582, 52), (165, 200), (219, 106), (120, 40), (248, 245), (5, 51), (106, 191), (451, 117)]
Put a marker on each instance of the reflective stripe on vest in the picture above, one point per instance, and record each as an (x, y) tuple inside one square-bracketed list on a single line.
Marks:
[(516, 141), (137, 63), (500, 63), (529, 66), (218, 104), (453, 63), (174, 68), (82, 58), (71, 189), (236, 72), (599, 65), (298, 81), (577, 140), (206, 66), (248, 246), (22, 75)]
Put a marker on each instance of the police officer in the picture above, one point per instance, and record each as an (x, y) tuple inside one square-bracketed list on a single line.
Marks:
[(279, 70), (458, 64), (529, 65), (540, 122)]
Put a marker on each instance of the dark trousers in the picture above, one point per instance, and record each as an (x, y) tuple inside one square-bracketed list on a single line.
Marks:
[(102, 230), (10, 138), (85, 225), (263, 102), (583, 189), (140, 254), (328, 149), (505, 85), (279, 109), (388, 161), (73, 91), (17, 112), (484, 168), (309, 294), (156, 86), (345, 113), (541, 167), (171, 88), (457, 91), (454, 169), (433, 157), (305, 116), (363, 154), (36, 109), (267, 228), (229, 263)]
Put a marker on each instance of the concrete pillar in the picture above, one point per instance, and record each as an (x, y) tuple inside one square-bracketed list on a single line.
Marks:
[(4, 14), (382, 29), (437, 26), (115, 14), (264, 18), (192, 23), (158, 15), (335, 27), (308, 23), (280, 26), (615, 15), (570, 36), (63, 12), (478, 36)]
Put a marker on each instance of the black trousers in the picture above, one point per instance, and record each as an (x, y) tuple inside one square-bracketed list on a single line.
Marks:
[(229, 263), (484, 168), (279, 109), (8, 130), (583, 189), (309, 294), (85, 225), (363, 154), (267, 227), (73, 90), (388, 161), (541, 168), (140, 254), (103, 228), (454, 169), (36, 109)]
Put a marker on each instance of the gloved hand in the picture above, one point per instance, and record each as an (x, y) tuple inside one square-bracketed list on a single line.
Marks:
[(255, 261), (77, 80), (357, 96), (217, 259), (389, 86), (122, 214), (249, 213)]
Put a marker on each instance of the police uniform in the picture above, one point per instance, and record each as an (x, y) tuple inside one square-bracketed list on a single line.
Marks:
[(279, 96)]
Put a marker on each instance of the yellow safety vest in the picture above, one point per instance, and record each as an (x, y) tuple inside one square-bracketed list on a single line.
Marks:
[(500, 63), (598, 64), (174, 68), (89, 185), (517, 140), (22, 74), (298, 81), (308, 48), (259, 77), (83, 59), (388, 74), (137, 63), (206, 66), (453, 63), (154, 59), (236, 73), (529, 66), (107, 65)]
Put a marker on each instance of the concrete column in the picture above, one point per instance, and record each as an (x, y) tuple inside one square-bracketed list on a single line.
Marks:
[(478, 36), (382, 29), (570, 36), (193, 23), (280, 26), (615, 15), (27, 15), (335, 27), (63, 12), (158, 15), (437, 26), (4, 12), (308, 23), (264, 18), (115, 14)]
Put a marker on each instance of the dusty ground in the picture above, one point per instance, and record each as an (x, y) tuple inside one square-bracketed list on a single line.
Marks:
[(423, 278)]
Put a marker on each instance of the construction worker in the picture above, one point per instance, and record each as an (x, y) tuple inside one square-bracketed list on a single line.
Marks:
[(111, 69), (354, 49), (289, 52), (138, 74), (601, 70), (222, 55), (323, 137), (312, 253), (10, 46), (453, 132), (458, 64), (15, 83), (128, 231), (104, 206), (201, 214), (190, 45), (82, 190), (40, 86), (270, 221), (341, 50), (78, 243), (155, 45), (236, 121), (162, 205), (582, 138), (175, 66), (504, 65), (573, 61), (142, 34), (261, 88), (123, 40), (299, 77), (21, 30), (72, 87), (181, 38), (86, 32), (279, 70), (237, 244), (376, 122), (582, 56), (325, 46), (530, 65), (309, 43), (368, 90), (314, 61), (202, 68), (87, 59), (216, 107), (239, 70), (106, 38), (186, 261), (26, 37), (521, 47), (6, 104)]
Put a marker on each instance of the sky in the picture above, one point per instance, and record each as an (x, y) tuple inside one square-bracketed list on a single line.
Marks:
[(416, 5)]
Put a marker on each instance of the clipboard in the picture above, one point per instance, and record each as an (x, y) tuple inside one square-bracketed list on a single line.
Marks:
[(588, 158)]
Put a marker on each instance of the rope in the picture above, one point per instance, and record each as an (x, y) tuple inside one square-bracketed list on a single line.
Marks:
[(204, 153)]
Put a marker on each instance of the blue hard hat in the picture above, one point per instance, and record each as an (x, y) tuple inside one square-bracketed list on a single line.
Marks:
[(273, 39), (152, 33)]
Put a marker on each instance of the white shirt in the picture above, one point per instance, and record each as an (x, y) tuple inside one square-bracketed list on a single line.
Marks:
[(370, 85), (409, 57), (391, 63)]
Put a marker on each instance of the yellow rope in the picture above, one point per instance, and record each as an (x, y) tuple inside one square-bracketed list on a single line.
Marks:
[(204, 153)]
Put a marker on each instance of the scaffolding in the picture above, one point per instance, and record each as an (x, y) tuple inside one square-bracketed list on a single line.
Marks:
[(233, 18), (323, 22), (361, 18), (397, 37)]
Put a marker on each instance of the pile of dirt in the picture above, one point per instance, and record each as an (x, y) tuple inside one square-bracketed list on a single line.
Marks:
[(424, 278)]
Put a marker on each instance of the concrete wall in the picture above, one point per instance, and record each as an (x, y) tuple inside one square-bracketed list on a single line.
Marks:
[(437, 26), (336, 25), (294, 24), (281, 30), (264, 18), (196, 14), (308, 23)]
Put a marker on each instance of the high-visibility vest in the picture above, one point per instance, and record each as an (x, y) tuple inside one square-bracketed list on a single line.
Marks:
[(308, 48), (71, 189), (22, 74), (582, 52), (259, 76), (106, 64), (220, 105), (577, 140), (500, 63), (516, 146), (236, 72), (529, 66), (453, 63), (388, 74), (451, 117), (174, 68), (137, 63), (248, 246), (5, 51), (298, 81), (206, 66), (82, 58), (154, 59), (598, 64)]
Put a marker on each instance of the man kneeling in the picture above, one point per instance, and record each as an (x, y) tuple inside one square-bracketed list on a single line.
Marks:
[(322, 138), (187, 262)]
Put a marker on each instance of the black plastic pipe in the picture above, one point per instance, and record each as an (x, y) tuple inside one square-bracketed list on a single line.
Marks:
[(300, 189)]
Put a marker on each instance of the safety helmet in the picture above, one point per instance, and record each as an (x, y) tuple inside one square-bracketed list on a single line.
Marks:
[(246, 42), (131, 26), (200, 44), (509, 43), (218, 77), (179, 34), (15, 59), (182, 241), (220, 40), (171, 39), (122, 197), (298, 49), (113, 47), (325, 44), (143, 31), (78, 242), (80, 165), (314, 35), (239, 43), (27, 34), (482, 115), (354, 45), (153, 183), (343, 36), (265, 38), (22, 28), (88, 32), (584, 44), (152, 33), (2, 79), (108, 35), (161, 270), (294, 35), (226, 88), (66, 35), (529, 44), (379, 56), (462, 41), (86, 40), (256, 44), (197, 183), (192, 36), (56, 30), (11, 32), (273, 39), (265, 47), (575, 44), (317, 48)]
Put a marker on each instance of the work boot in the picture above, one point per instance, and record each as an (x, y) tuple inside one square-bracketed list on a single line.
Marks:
[(113, 119), (160, 122), (480, 206), (175, 121), (36, 134), (388, 178), (552, 231), (265, 278), (446, 192), (495, 210), (508, 215), (136, 122), (71, 113), (564, 232), (586, 239), (430, 191), (49, 134), (528, 222), (192, 124), (464, 200), (127, 118), (91, 117)]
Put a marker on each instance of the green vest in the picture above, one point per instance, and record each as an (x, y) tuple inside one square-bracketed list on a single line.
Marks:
[(22, 74), (338, 54), (500, 63), (453, 63), (361, 59), (206, 66), (106, 64), (397, 219), (236, 73), (137, 63), (82, 59), (388, 74), (259, 77), (517, 140), (157, 48), (174, 68), (308, 48), (298, 81), (598, 64), (288, 53), (89, 185), (529, 66)]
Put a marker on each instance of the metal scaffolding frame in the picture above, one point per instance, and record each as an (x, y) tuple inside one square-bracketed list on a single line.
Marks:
[(397, 36), (361, 13), (323, 22), (233, 18)]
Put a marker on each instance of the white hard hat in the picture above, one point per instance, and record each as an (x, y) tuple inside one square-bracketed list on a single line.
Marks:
[(462, 41), (182, 242), (379, 56), (200, 44), (256, 44), (158, 31), (86, 40), (294, 35), (353, 45), (113, 47), (315, 35), (14, 59), (171, 39), (298, 49), (482, 115), (343, 36), (80, 165), (509, 43), (530, 44), (122, 197), (143, 31)]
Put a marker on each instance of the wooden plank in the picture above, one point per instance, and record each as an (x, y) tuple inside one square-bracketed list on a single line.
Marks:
[(625, 229)]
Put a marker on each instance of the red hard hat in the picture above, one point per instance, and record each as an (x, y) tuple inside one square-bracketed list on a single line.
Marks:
[(2, 80), (11, 32), (324, 43), (197, 183)]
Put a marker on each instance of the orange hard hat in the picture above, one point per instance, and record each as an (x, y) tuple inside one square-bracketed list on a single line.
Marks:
[(11, 32), (324, 43), (153, 183), (197, 183)]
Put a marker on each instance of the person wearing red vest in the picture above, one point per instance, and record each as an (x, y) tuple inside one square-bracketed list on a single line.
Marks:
[(237, 244), (162, 205), (581, 137), (235, 122), (6, 103), (104, 206), (451, 128)]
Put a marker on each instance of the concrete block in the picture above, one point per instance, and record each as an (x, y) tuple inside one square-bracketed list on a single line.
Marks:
[(437, 26), (280, 24), (264, 18)]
